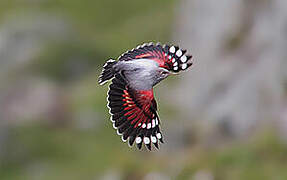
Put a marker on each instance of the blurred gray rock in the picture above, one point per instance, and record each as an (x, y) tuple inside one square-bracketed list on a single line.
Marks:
[(111, 175), (33, 100), (239, 49), (203, 175), (22, 37), (156, 176)]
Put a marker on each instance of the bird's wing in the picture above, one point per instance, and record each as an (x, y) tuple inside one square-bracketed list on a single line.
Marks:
[(134, 114), (169, 57)]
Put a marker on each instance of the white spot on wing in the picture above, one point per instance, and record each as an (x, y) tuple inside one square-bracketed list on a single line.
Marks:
[(138, 140), (178, 53), (175, 64), (183, 58), (172, 49), (148, 125), (184, 66), (153, 123), (175, 68), (146, 140), (158, 135), (144, 125), (156, 121), (173, 60), (153, 139)]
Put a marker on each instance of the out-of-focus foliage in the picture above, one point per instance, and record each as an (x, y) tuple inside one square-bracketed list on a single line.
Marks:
[(45, 153)]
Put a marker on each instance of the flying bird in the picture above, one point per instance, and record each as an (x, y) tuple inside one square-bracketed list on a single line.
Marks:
[(131, 101)]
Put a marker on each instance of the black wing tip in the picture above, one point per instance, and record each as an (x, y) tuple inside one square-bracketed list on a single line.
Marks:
[(101, 81), (138, 135), (139, 140), (156, 145), (107, 72), (148, 146), (149, 140), (139, 145), (178, 59)]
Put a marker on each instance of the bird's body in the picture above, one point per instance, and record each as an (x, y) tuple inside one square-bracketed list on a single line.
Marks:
[(139, 73), (131, 99)]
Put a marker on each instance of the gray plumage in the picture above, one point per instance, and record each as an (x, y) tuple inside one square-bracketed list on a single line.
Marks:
[(141, 74)]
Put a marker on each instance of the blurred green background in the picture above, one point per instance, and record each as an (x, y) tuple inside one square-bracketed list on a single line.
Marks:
[(54, 123)]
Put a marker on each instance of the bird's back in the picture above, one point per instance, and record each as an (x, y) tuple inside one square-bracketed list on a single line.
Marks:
[(139, 73)]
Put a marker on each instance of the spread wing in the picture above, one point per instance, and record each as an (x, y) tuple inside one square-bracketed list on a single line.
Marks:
[(134, 114), (169, 57)]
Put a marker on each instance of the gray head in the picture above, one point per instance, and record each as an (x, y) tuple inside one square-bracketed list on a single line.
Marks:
[(143, 74), (160, 74)]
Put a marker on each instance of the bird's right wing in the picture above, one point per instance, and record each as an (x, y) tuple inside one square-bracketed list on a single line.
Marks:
[(134, 114), (170, 57)]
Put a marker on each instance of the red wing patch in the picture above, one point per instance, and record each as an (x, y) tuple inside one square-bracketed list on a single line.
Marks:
[(169, 57), (134, 114)]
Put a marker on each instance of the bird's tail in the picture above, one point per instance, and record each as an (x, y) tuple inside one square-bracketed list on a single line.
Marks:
[(108, 71)]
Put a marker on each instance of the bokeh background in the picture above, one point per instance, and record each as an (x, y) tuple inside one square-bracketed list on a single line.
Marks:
[(224, 119)]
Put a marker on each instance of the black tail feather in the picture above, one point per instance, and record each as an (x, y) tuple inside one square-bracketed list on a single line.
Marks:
[(108, 71)]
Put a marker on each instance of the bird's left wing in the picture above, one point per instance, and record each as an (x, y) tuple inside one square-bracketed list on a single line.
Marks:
[(134, 114), (170, 57)]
